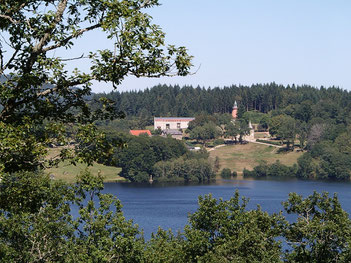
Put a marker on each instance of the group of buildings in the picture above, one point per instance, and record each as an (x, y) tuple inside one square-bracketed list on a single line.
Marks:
[(175, 126)]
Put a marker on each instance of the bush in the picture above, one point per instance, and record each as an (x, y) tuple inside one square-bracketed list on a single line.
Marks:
[(248, 173), (269, 142), (218, 142), (226, 173), (280, 170)]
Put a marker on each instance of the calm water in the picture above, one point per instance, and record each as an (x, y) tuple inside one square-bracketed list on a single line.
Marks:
[(151, 206)]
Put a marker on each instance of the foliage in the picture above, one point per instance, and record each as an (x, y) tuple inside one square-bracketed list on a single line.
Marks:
[(218, 142), (243, 129), (196, 170), (231, 130), (306, 168), (321, 232), (42, 229), (276, 169), (226, 173), (255, 116), (201, 120), (283, 127), (161, 100), (302, 130), (223, 231), (269, 142), (241, 112), (334, 165), (205, 133), (216, 165), (137, 160), (38, 89)]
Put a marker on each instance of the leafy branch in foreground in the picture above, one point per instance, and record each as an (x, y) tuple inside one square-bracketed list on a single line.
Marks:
[(37, 86)]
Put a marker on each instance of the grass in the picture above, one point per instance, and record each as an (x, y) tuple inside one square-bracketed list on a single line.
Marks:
[(238, 157), (260, 135), (68, 172)]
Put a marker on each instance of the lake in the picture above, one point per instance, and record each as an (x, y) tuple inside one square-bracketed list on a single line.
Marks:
[(168, 205)]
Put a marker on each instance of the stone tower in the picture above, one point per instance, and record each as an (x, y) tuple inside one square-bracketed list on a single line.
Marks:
[(235, 111)]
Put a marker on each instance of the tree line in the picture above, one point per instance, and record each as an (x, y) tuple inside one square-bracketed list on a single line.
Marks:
[(158, 159), (168, 100)]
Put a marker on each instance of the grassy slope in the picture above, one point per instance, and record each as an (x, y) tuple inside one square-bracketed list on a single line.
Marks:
[(68, 172), (238, 157)]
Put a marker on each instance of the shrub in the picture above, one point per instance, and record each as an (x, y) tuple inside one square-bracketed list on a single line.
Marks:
[(226, 173), (247, 173), (269, 142), (218, 142)]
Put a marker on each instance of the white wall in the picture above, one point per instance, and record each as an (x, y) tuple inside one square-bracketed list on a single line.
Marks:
[(172, 122)]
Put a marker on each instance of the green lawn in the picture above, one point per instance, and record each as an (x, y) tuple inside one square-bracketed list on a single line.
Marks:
[(238, 157), (68, 172)]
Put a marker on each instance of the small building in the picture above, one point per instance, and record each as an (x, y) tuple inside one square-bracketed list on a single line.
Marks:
[(176, 134), (138, 132), (172, 123)]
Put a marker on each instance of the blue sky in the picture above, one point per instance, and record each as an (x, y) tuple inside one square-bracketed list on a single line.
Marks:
[(255, 41)]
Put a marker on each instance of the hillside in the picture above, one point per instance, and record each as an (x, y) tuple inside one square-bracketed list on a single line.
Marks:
[(238, 157), (68, 172)]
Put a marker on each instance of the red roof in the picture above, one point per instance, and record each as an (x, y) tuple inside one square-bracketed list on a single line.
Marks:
[(138, 132)]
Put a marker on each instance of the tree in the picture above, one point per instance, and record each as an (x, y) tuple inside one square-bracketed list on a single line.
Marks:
[(334, 164), (183, 169), (315, 135), (241, 111), (137, 160), (36, 224), (243, 128), (226, 173), (284, 127), (216, 165), (201, 120), (43, 101), (302, 133), (224, 231), (321, 232), (231, 130), (204, 133), (306, 167), (38, 88), (343, 143)]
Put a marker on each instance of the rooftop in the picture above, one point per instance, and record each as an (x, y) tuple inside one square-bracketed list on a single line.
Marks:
[(138, 132)]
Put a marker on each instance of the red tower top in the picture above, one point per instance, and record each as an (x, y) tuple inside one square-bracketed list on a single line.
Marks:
[(235, 111)]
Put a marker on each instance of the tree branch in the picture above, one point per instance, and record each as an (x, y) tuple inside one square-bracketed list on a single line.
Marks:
[(4, 67), (58, 17), (75, 35), (15, 22)]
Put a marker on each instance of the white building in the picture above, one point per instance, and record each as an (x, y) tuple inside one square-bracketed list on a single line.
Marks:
[(174, 123)]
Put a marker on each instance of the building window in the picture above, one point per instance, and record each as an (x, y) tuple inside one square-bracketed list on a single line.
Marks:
[(178, 125), (167, 126)]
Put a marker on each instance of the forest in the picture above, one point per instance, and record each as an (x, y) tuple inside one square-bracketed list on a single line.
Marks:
[(304, 102), (314, 120)]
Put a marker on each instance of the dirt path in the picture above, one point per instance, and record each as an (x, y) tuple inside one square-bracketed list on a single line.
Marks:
[(218, 146), (251, 141), (278, 146)]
